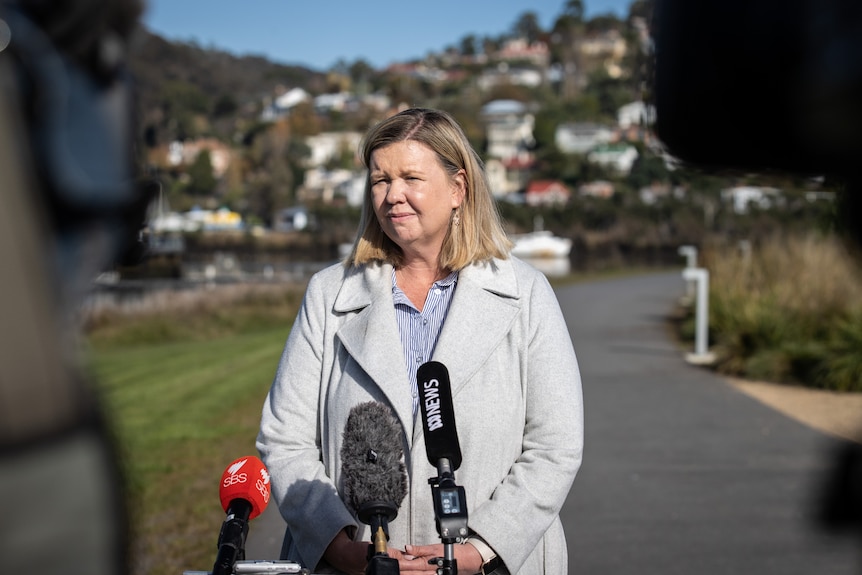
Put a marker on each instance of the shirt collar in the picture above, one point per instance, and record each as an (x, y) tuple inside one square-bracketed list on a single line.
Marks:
[(449, 280)]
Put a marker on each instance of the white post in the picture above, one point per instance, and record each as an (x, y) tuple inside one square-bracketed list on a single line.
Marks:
[(690, 253), (701, 355)]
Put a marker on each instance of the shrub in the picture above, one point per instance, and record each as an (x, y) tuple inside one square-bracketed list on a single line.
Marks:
[(193, 315), (787, 310)]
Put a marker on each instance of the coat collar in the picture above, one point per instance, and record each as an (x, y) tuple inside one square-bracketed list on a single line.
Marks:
[(486, 302), (485, 305)]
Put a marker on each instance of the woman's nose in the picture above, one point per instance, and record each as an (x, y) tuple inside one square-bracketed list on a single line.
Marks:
[(395, 193)]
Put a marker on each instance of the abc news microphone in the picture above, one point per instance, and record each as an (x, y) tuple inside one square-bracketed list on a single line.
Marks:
[(244, 493), (444, 453), (374, 476)]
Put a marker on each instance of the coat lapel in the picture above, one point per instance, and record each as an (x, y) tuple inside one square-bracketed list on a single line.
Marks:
[(485, 304), (371, 337)]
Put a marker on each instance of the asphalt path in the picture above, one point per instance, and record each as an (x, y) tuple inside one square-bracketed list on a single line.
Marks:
[(682, 473)]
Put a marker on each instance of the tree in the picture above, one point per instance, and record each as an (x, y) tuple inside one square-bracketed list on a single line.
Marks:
[(567, 30), (604, 22), (361, 73), (202, 181), (527, 26), (490, 46), (303, 120), (611, 93), (271, 178), (225, 105), (648, 169), (468, 45), (574, 11), (641, 9)]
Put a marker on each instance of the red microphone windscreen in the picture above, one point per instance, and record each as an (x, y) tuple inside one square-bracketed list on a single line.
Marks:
[(246, 478)]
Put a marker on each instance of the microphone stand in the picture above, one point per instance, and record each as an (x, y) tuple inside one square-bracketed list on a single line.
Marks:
[(450, 515), (231, 539), (377, 515)]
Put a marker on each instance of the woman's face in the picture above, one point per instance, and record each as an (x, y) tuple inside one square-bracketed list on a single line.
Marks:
[(413, 196)]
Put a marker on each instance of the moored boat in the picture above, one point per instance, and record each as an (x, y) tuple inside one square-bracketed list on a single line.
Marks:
[(541, 244)]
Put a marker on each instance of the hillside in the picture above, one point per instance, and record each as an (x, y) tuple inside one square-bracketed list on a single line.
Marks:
[(181, 83)]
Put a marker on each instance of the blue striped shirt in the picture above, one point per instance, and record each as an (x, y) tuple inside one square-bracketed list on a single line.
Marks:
[(420, 329)]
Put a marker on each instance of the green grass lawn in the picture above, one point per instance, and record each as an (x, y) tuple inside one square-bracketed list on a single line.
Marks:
[(182, 412)]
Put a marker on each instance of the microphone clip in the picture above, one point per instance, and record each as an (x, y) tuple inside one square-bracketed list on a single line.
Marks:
[(450, 504), (450, 515)]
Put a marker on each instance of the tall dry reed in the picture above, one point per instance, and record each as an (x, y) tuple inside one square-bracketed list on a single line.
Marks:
[(789, 310), (196, 314)]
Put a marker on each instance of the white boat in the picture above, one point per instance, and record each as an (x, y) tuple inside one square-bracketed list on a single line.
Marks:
[(541, 244)]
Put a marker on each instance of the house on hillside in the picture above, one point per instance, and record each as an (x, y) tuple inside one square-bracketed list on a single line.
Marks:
[(509, 128), (184, 153), (618, 158), (605, 49), (322, 185), (597, 189), (331, 146), (335, 102), (293, 219), (581, 137), (283, 104), (636, 114), (510, 176), (547, 193), (742, 198), (520, 50), (660, 191), (503, 75)]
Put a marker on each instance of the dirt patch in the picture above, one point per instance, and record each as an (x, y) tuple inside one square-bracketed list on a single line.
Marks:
[(835, 413)]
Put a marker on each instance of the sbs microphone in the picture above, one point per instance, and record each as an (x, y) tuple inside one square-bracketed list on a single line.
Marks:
[(244, 493), (438, 414), (374, 476), (245, 479)]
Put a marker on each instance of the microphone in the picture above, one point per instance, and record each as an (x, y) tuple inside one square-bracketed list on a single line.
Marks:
[(438, 415), (444, 452), (375, 480), (244, 493)]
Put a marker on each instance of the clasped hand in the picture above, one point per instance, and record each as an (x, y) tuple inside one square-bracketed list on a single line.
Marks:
[(419, 559), (351, 557)]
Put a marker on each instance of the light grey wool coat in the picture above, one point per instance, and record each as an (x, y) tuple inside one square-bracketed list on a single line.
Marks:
[(516, 389)]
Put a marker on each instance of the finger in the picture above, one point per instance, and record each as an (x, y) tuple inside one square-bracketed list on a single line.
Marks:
[(416, 566), (424, 550)]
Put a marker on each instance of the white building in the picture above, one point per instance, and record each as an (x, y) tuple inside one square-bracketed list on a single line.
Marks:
[(353, 189), (503, 75), (636, 114), (744, 197), (509, 128), (328, 102), (616, 157), (329, 146), (291, 219), (581, 137), (283, 104)]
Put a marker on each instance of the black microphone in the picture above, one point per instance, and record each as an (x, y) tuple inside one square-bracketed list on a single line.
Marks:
[(375, 480), (444, 452), (438, 414)]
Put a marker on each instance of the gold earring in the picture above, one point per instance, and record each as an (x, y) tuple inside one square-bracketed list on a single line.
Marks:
[(456, 218)]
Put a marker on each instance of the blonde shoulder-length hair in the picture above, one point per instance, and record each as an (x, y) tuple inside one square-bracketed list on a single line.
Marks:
[(478, 236)]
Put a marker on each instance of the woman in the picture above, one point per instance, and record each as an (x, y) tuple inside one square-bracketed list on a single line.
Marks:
[(429, 277)]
